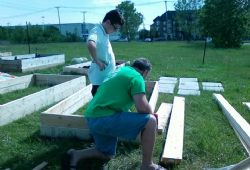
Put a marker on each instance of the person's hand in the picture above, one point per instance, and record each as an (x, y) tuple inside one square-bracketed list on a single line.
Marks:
[(101, 64)]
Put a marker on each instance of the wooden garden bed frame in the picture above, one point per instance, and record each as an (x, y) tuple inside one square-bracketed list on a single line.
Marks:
[(59, 121), (30, 62), (5, 54), (62, 87), (82, 68)]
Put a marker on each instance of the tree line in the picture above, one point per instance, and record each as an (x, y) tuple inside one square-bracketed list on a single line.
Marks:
[(35, 34), (226, 22)]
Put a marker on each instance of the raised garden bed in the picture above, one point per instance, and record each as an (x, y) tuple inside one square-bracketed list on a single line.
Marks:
[(30, 62), (60, 87), (60, 120), (82, 68)]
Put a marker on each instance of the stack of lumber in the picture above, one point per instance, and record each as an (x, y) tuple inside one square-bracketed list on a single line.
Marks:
[(239, 124)]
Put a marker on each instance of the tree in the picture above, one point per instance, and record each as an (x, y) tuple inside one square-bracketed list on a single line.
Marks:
[(247, 33), (132, 19), (144, 33), (187, 17), (225, 21), (18, 35)]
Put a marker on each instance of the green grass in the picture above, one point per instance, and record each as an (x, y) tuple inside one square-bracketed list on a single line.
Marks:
[(209, 140)]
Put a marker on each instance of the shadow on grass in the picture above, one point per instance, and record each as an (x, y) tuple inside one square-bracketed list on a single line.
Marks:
[(47, 149), (51, 150)]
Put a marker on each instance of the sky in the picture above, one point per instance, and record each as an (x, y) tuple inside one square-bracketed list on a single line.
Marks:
[(18, 12)]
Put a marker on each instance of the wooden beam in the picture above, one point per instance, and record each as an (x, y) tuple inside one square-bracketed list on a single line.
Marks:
[(30, 62), (52, 79), (71, 121), (72, 103), (163, 116), (61, 131), (16, 83), (40, 166), (173, 147), (247, 104), (239, 124), (154, 96), (243, 165)]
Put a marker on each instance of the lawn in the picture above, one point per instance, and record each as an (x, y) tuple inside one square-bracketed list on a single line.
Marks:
[(209, 140)]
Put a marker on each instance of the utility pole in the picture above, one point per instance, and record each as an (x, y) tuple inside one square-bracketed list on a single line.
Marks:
[(166, 5), (28, 37), (84, 25), (43, 22), (58, 13)]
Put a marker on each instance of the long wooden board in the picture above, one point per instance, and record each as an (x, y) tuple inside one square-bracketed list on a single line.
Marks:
[(173, 147), (163, 116), (239, 124), (247, 105)]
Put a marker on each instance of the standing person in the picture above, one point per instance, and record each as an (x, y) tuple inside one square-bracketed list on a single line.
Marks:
[(109, 118), (100, 49)]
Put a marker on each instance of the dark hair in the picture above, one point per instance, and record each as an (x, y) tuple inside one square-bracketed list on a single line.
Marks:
[(142, 64), (115, 17)]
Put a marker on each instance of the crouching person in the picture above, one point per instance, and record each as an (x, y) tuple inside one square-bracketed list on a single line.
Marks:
[(109, 118)]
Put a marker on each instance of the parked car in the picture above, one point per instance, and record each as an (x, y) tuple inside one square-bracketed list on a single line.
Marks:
[(147, 40)]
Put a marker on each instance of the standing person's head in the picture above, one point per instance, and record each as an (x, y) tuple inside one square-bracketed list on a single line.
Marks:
[(142, 65), (112, 21)]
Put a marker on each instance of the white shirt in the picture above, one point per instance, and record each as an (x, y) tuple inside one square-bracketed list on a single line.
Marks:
[(104, 52)]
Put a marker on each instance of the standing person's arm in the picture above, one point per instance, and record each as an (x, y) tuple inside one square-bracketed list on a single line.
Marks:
[(141, 104), (92, 50)]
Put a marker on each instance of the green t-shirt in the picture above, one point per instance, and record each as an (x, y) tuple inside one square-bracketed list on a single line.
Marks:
[(116, 94)]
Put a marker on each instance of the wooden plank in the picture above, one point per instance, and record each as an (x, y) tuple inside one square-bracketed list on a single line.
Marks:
[(77, 68), (41, 166), (82, 68), (247, 148), (30, 62), (189, 92), (18, 57), (173, 147), (19, 108), (154, 97), (247, 104), (182, 80), (72, 103), (16, 83), (67, 121), (5, 54), (52, 79), (57, 131), (39, 63), (163, 116), (239, 124), (243, 165)]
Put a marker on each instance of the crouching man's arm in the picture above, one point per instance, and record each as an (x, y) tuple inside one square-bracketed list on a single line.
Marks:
[(141, 103)]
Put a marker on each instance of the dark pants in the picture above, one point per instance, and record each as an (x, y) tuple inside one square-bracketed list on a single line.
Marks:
[(94, 89)]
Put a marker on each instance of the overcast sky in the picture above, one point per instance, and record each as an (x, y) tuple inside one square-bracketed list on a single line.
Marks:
[(18, 12)]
